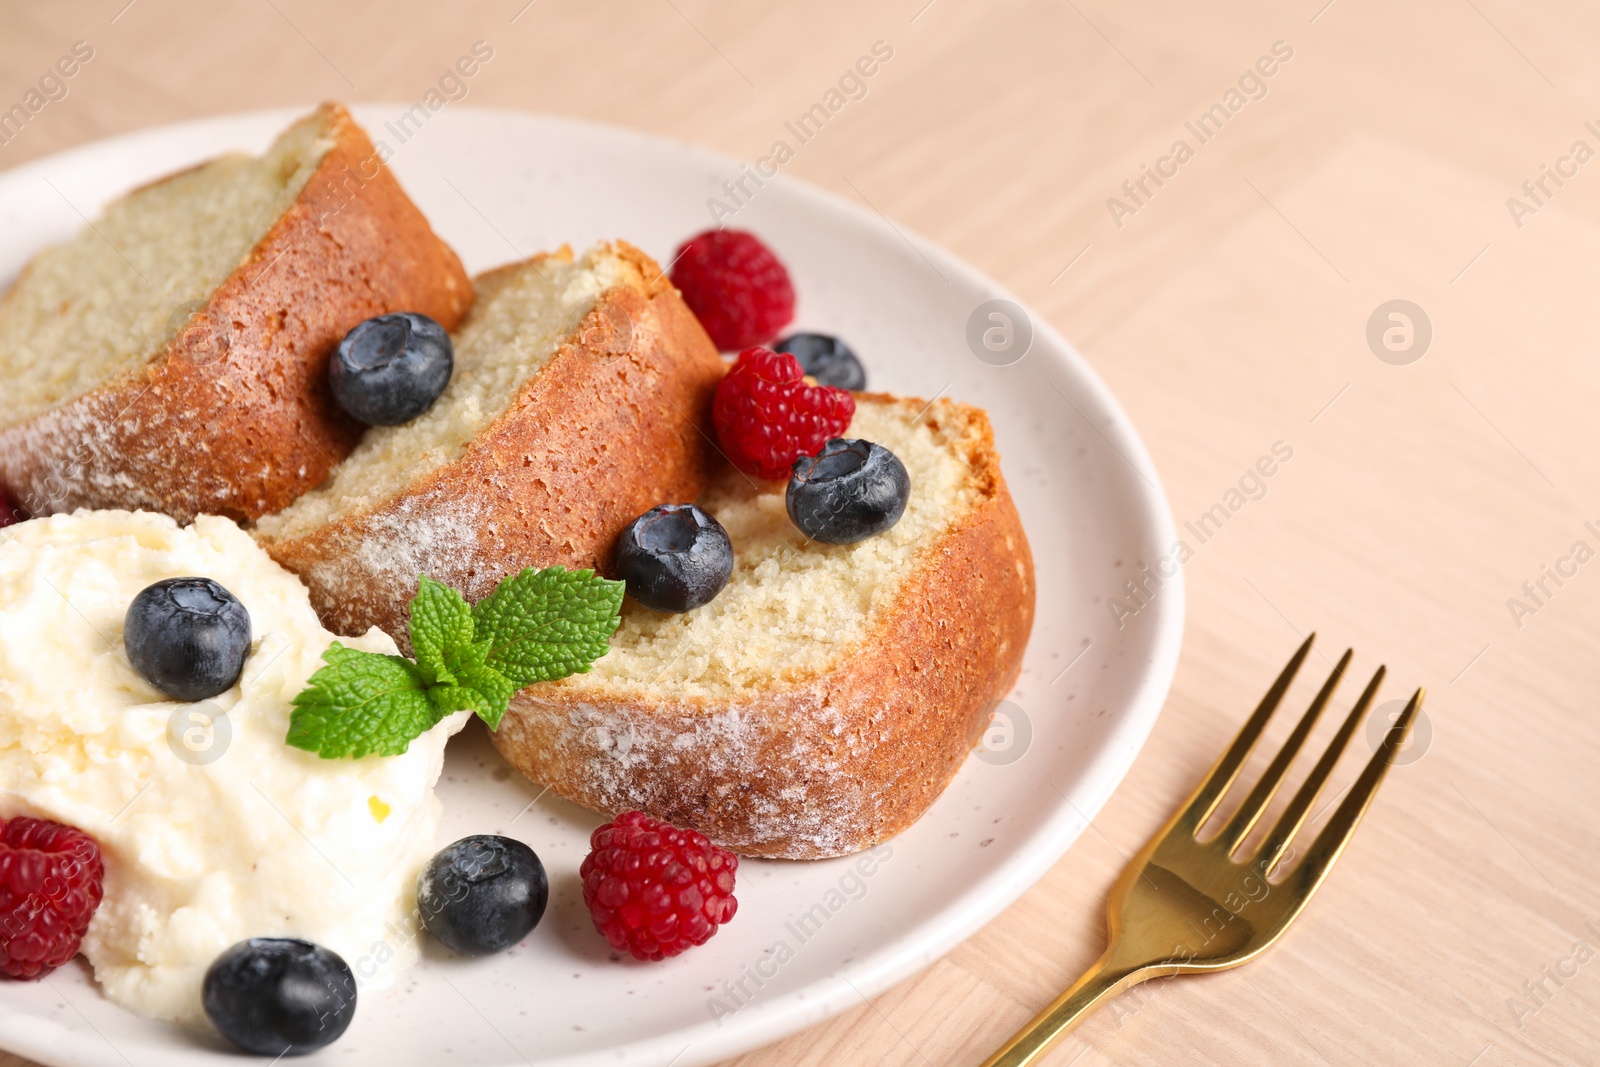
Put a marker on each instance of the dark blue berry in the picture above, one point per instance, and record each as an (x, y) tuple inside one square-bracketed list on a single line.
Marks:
[(277, 996), (848, 492), (188, 637), (674, 557), (827, 359), (390, 369), (482, 894)]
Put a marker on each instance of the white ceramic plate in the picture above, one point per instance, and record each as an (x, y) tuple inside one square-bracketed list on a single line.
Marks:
[(499, 186)]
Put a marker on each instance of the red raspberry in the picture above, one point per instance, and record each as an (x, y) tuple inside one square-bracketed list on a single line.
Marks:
[(50, 886), (767, 416), (653, 889), (735, 286)]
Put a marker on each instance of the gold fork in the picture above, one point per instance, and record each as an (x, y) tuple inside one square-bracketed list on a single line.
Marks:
[(1186, 905)]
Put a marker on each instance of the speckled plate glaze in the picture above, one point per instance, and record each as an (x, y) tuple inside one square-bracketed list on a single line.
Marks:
[(810, 939)]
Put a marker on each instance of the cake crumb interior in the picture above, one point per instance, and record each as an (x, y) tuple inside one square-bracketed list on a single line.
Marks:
[(108, 301)]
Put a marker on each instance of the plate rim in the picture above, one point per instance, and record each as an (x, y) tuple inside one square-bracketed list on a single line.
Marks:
[(890, 963)]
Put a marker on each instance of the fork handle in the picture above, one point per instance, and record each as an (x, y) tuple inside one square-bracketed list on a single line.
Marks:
[(1102, 981)]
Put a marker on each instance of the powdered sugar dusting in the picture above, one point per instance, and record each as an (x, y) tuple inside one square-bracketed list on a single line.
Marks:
[(402, 542), (375, 558), (103, 451), (788, 777)]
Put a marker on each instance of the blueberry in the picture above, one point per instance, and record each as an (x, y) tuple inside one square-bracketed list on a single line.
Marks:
[(277, 996), (188, 637), (827, 359), (482, 894), (390, 369), (674, 557), (848, 492)]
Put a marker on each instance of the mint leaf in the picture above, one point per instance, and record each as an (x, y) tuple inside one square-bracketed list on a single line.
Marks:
[(546, 624), (490, 690), (452, 698), (441, 625), (361, 704), (496, 690), (465, 659)]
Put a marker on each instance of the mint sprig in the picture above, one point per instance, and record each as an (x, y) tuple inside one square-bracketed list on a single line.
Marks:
[(536, 626)]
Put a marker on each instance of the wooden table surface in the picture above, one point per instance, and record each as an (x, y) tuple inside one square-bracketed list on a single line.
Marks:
[(1432, 513)]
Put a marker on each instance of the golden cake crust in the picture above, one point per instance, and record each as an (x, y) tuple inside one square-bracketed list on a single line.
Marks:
[(617, 422), (235, 416), (836, 763)]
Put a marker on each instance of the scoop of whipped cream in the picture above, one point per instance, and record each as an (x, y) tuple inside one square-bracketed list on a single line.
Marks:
[(213, 829)]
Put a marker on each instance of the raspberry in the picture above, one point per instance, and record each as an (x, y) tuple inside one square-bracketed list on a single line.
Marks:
[(50, 886), (735, 286), (767, 416), (653, 889)]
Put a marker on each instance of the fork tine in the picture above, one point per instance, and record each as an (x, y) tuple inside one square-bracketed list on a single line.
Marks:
[(1277, 842), (1205, 799), (1255, 805), (1331, 841)]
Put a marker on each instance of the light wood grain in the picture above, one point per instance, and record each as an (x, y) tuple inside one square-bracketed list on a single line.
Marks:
[(1228, 313)]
